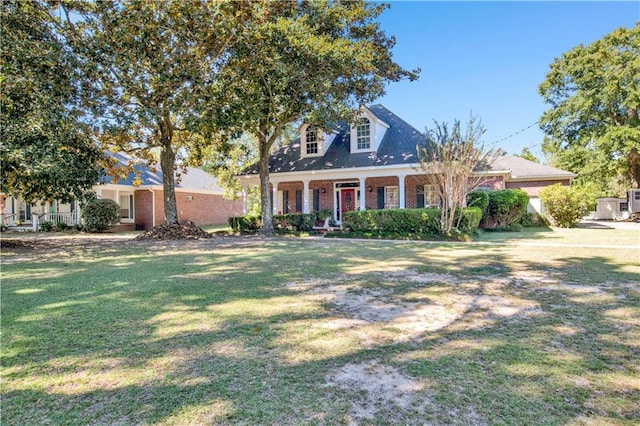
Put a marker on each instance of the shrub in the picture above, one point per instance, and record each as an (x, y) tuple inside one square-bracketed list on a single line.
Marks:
[(61, 226), (249, 223), (99, 215), (565, 205), (505, 208), (471, 217), (398, 221), (478, 198), (294, 221), (46, 226)]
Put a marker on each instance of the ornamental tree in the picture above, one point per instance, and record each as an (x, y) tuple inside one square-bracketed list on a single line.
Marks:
[(47, 152), (593, 125), (453, 162), (317, 61)]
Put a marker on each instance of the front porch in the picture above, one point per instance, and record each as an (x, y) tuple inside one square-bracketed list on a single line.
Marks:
[(342, 194)]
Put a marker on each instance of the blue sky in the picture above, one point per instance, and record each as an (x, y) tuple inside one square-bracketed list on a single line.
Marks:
[(489, 58)]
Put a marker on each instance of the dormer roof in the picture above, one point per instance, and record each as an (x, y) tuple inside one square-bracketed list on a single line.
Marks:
[(398, 146)]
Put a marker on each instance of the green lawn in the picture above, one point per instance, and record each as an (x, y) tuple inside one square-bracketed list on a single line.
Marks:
[(320, 331)]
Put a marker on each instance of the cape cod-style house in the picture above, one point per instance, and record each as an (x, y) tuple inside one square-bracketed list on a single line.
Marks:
[(374, 164), (199, 199)]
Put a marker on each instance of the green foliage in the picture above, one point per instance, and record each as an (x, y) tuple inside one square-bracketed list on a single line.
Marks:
[(400, 221), (403, 222), (101, 214), (451, 160), (505, 208), (593, 124), (46, 150), (565, 205), (245, 224), (528, 155), (61, 226), (478, 198), (298, 222), (312, 61), (471, 217), (46, 226), (146, 68)]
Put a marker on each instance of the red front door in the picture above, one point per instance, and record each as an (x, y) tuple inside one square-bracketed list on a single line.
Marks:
[(348, 200)]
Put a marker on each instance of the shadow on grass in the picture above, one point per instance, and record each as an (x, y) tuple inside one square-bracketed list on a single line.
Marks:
[(202, 333)]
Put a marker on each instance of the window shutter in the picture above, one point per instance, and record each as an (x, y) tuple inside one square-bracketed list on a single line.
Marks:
[(380, 197), (285, 202), (420, 196), (316, 200), (298, 200)]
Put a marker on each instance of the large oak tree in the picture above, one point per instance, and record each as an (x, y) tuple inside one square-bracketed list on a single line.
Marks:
[(46, 149), (593, 125), (146, 65), (312, 60)]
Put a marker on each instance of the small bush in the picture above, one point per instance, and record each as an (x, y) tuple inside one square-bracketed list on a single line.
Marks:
[(61, 226), (478, 198), (101, 214), (245, 224), (565, 205), (46, 226), (471, 217), (505, 208), (298, 222)]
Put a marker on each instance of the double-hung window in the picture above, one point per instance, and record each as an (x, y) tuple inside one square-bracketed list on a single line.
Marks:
[(363, 134), (311, 140)]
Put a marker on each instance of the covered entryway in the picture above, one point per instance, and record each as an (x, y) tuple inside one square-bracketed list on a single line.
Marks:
[(347, 198)]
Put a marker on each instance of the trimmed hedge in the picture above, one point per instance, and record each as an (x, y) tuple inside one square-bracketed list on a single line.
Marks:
[(299, 222), (505, 208), (406, 221), (478, 198), (101, 214), (245, 223)]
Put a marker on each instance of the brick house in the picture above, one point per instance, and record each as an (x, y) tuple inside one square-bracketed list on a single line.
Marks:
[(374, 165), (199, 199)]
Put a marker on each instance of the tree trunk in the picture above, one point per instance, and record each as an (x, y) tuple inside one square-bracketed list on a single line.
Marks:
[(265, 192), (167, 164), (634, 167)]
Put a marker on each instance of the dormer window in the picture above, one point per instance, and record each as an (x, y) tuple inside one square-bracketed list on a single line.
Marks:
[(367, 132), (363, 134), (311, 140)]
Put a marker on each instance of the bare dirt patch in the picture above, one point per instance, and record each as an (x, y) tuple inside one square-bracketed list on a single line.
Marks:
[(382, 388)]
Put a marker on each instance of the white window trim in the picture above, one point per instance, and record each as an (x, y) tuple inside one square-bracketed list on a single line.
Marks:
[(319, 140), (388, 190), (377, 129)]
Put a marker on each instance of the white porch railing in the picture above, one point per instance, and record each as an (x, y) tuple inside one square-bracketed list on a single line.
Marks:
[(69, 219)]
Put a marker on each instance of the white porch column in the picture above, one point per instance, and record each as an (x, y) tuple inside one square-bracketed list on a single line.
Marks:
[(401, 193), (305, 196), (363, 194), (245, 194), (275, 198)]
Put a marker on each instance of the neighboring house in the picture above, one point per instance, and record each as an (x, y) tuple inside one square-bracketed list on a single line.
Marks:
[(374, 165), (199, 199)]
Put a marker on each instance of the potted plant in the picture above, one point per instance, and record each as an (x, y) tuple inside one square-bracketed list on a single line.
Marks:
[(323, 216)]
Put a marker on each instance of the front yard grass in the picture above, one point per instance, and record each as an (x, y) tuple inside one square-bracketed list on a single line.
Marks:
[(316, 331)]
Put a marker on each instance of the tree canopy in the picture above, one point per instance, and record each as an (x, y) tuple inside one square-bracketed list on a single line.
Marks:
[(47, 151), (593, 125), (317, 61), (145, 67)]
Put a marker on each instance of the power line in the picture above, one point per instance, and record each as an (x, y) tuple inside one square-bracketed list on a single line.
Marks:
[(515, 133)]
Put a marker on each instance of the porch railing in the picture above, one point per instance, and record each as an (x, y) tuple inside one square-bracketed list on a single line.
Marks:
[(69, 219)]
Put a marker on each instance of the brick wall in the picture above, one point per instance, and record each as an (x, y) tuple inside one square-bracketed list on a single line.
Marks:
[(533, 188), (202, 209)]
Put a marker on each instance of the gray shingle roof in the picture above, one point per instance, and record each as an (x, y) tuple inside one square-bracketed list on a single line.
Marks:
[(194, 179), (525, 169), (397, 147)]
